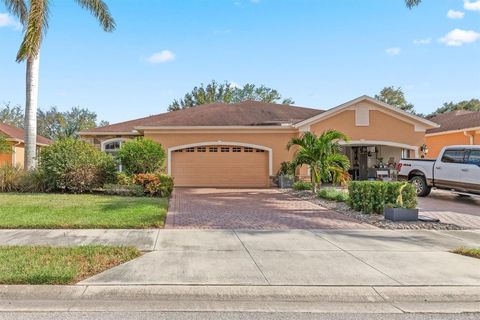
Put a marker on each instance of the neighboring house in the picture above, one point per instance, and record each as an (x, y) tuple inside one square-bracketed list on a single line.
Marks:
[(243, 144), (14, 137), (456, 128)]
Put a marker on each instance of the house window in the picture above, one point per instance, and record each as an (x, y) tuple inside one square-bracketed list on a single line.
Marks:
[(259, 150), (181, 150), (213, 149), (190, 150), (112, 147), (201, 149), (248, 149), (236, 149), (225, 149)]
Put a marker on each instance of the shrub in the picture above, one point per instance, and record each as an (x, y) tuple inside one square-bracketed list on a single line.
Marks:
[(155, 184), (302, 185), (333, 194), (141, 155), (124, 179), (287, 168), (123, 190), (76, 166), (374, 196), (33, 181), (10, 178)]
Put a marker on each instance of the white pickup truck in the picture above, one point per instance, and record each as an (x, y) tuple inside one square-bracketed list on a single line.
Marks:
[(457, 168)]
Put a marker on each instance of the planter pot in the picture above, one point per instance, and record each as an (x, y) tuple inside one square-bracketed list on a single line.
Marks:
[(401, 214), (285, 182)]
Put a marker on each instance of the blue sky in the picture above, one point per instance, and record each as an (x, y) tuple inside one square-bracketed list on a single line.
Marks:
[(320, 53)]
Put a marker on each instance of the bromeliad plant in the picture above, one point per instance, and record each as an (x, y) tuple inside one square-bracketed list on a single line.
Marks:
[(323, 156)]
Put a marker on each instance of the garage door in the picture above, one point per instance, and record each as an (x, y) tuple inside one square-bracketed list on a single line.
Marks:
[(220, 166)]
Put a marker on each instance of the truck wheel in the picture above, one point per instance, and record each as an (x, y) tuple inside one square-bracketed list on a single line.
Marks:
[(421, 186)]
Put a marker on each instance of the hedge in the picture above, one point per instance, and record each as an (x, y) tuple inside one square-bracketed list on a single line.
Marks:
[(374, 196)]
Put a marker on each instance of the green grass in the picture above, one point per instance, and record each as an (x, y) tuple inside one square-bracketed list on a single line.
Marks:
[(475, 253), (70, 211), (333, 194), (47, 265)]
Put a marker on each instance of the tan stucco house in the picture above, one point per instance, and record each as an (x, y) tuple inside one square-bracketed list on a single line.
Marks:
[(14, 137), (459, 127), (244, 144)]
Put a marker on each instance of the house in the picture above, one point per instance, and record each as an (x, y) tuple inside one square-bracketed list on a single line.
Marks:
[(459, 127), (14, 137), (244, 144)]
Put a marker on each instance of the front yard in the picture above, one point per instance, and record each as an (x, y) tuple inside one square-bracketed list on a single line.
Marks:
[(47, 265), (86, 211)]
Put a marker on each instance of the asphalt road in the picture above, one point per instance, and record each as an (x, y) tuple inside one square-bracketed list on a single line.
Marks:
[(227, 316)]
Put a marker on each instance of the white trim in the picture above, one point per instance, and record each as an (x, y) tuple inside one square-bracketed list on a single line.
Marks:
[(220, 143), (282, 127), (381, 143), (103, 143), (451, 131), (110, 133), (470, 136), (351, 103), (362, 116)]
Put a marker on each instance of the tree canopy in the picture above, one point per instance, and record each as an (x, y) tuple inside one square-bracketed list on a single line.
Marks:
[(395, 97), (52, 123), (468, 105), (227, 93)]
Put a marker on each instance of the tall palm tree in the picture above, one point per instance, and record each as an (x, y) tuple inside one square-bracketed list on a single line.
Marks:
[(323, 156), (33, 14), (412, 3)]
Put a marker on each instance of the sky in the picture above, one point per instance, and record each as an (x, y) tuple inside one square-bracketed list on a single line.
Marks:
[(320, 53)]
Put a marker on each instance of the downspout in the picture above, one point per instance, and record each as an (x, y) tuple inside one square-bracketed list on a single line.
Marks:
[(14, 158), (470, 136)]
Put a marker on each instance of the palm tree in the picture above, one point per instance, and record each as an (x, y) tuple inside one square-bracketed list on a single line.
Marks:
[(412, 3), (323, 156), (33, 14)]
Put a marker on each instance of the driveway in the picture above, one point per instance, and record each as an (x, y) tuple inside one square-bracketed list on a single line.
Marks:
[(450, 208), (268, 209)]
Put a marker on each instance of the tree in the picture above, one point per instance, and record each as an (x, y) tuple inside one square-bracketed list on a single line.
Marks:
[(34, 18), (12, 115), (4, 145), (412, 3), (467, 105), (323, 155), (141, 155), (395, 97), (227, 93)]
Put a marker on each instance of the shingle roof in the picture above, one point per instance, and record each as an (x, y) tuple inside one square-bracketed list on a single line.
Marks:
[(247, 113), (18, 133), (455, 120)]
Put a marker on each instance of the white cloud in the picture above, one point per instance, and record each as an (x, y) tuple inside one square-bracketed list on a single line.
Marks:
[(7, 20), (452, 14), (471, 5), (393, 51), (422, 41), (458, 37), (161, 57)]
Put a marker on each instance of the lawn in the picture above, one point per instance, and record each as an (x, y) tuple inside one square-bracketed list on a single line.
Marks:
[(475, 253), (70, 211), (47, 265)]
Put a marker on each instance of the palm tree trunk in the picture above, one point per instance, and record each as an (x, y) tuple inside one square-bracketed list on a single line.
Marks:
[(31, 105)]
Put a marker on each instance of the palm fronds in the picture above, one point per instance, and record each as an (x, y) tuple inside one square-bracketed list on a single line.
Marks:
[(99, 10)]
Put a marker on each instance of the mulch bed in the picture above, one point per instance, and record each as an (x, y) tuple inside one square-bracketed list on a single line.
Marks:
[(373, 219)]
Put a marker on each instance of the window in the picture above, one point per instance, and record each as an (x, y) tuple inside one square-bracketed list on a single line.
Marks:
[(225, 149), (201, 149), (474, 157), (236, 149), (405, 154), (112, 147), (259, 150), (190, 150), (453, 156), (213, 149), (181, 150), (248, 149)]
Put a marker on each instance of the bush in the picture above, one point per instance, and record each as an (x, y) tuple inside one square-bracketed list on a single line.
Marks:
[(124, 179), (302, 185), (374, 196), (10, 178), (141, 156), (287, 168), (75, 166), (123, 190), (333, 194), (155, 184), (33, 181)]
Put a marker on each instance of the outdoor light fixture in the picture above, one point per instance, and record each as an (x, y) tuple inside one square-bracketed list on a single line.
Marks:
[(424, 149)]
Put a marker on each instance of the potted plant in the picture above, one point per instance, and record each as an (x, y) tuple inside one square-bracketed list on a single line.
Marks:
[(286, 175), (399, 211)]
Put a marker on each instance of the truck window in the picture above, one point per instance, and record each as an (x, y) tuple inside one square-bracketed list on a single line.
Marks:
[(474, 157), (453, 156)]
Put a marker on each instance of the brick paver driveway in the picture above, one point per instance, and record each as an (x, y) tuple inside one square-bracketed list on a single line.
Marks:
[(250, 209), (450, 208)]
